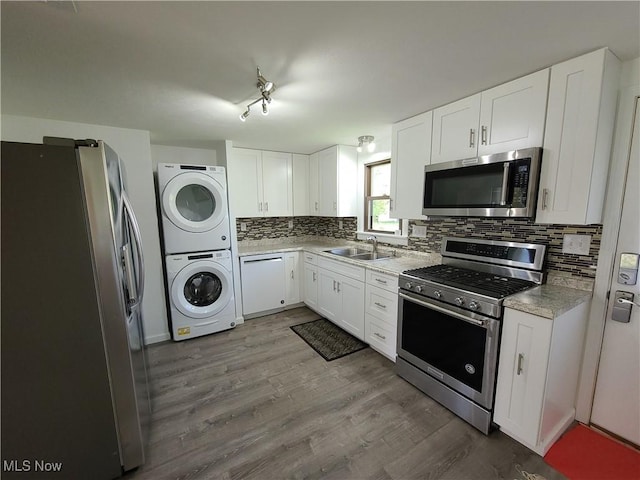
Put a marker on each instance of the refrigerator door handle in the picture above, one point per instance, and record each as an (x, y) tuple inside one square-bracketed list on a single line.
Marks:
[(128, 211)]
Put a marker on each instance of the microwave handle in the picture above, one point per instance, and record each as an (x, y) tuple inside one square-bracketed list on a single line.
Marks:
[(505, 183)]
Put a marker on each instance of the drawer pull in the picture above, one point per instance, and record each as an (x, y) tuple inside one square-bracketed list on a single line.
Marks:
[(380, 336), (384, 282), (380, 305)]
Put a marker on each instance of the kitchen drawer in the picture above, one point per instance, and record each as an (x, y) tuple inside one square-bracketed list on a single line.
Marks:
[(380, 337), (343, 268), (311, 258), (382, 280), (382, 304)]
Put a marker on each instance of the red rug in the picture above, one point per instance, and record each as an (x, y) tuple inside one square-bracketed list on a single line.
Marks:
[(584, 454)]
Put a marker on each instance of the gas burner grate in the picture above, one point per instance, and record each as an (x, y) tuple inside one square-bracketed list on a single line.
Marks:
[(471, 280)]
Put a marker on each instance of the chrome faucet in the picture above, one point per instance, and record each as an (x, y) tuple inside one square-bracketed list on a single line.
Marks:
[(374, 241)]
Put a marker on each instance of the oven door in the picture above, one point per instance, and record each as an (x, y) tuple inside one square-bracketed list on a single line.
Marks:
[(456, 347)]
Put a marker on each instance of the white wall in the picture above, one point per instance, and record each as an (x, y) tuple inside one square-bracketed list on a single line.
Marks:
[(134, 148)]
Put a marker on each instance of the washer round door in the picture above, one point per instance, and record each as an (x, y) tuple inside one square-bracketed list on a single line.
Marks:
[(194, 202), (201, 289)]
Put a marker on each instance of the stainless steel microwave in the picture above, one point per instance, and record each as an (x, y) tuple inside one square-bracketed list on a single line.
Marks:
[(499, 185)]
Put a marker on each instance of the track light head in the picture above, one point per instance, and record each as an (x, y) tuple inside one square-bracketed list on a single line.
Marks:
[(366, 140), (243, 116)]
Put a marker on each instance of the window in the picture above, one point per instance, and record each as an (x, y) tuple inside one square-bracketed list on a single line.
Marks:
[(377, 199)]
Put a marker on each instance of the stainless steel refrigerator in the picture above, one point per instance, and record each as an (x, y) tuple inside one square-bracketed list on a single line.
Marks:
[(75, 396)]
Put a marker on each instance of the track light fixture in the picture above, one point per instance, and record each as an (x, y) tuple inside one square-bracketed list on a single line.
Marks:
[(366, 140), (266, 89)]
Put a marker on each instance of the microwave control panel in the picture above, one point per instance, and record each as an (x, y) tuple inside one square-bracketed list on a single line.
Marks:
[(520, 183)]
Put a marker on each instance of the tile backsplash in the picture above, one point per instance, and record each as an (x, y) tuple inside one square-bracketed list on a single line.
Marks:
[(518, 230)]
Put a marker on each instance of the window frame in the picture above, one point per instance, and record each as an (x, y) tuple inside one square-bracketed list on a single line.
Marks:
[(368, 198)]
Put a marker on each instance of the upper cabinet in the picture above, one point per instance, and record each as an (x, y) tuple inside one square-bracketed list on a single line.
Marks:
[(410, 152), (260, 183), (300, 185), (333, 175), (507, 117), (577, 141)]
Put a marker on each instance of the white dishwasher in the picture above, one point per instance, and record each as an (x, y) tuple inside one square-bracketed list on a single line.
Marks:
[(263, 285)]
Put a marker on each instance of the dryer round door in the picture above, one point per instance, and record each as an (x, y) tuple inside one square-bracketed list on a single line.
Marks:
[(194, 202), (201, 289)]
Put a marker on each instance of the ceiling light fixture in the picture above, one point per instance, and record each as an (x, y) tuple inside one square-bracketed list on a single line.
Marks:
[(366, 140), (266, 89)]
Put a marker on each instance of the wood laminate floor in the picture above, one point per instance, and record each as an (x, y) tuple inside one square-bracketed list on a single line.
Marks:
[(257, 402)]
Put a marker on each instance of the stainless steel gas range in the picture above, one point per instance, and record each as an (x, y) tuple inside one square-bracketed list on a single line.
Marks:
[(449, 321)]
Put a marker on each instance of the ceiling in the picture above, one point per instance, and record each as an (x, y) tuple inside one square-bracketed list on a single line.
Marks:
[(186, 70)]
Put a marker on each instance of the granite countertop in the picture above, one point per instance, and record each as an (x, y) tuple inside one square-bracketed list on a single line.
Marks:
[(392, 265), (547, 301)]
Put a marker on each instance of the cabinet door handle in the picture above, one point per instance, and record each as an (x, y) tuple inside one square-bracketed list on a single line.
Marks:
[(380, 305), (314, 276), (545, 197), (472, 138), (291, 274), (260, 206), (520, 362), (334, 285), (316, 206), (266, 206), (484, 135), (335, 206), (338, 283), (380, 336)]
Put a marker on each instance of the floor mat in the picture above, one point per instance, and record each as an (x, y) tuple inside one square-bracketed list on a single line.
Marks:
[(329, 341), (584, 454)]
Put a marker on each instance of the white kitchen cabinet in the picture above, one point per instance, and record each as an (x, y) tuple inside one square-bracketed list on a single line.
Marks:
[(410, 152), (577, 140), (314, 183), (300, 168), (504, 118), (455, 130), (292, 278), (337, 169), (263, 288), (381, 312), (260, 183), (310, 285), (341, 295), (538, 375)]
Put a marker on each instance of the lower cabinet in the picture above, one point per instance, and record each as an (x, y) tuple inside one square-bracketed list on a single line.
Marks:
[(538, 375), (341, 295), (381, 312), (310, 280), (292, 280)]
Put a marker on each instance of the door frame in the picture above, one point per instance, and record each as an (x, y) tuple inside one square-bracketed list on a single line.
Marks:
[(606, 259)]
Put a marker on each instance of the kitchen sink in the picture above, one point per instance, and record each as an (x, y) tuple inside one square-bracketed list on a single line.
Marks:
[(370, 256), (348, 252), (357, 253)]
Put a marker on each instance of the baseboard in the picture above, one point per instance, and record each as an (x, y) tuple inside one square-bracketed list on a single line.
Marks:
[(560, 427)]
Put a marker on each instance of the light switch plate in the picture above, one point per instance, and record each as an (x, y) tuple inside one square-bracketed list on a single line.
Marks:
[(290, 224), (576, 244), (243, 226), (340, 225), (419, 231)]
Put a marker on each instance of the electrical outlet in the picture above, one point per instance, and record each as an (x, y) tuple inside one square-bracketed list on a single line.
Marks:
[(419, 231), (340, 225), (576, 244), (243, 226), (290, 224)]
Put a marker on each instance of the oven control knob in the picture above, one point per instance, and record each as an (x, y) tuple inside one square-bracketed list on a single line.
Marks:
[(459, 301), (418, 289), (474, 305), (437, 294), (408, 285)]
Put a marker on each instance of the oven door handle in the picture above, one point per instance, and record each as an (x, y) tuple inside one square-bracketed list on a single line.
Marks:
[(482, 323)]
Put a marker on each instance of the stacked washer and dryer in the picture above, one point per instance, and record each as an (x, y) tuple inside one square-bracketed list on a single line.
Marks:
[(195, 226)]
